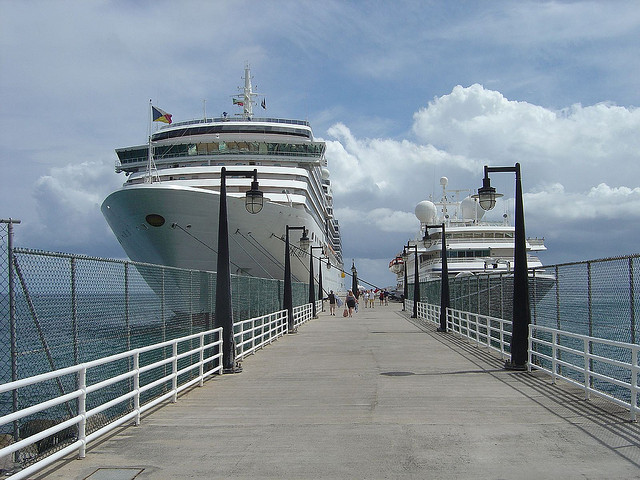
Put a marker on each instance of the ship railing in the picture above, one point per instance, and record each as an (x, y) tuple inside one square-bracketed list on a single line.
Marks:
[(198, 121), (605, 368), (204, 359), (504, 263)]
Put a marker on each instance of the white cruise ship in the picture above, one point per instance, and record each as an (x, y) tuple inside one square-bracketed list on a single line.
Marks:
[(167, 211), (474, 246)]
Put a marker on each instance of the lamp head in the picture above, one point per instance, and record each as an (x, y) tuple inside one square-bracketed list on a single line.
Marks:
[(304, 240), (254, 199), (487, 194)]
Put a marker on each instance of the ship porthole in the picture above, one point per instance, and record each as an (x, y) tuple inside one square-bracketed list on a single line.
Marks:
[(155, 220)]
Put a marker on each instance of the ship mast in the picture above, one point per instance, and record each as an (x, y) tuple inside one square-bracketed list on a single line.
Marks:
[(245, 99)]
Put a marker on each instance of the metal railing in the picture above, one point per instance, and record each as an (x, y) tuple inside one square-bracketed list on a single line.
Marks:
[(147, 387), (71, 434), (61, 310), (605, 368)]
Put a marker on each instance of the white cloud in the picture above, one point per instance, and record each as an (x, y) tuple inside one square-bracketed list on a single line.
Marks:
[(68, 203), (600, 202)]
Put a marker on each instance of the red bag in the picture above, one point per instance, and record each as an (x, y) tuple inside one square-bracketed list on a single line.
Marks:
[(345, 313)]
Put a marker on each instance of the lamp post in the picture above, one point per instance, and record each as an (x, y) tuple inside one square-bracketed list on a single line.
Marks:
[(405, 289), (444, 283), (521, 313), (354, 279), (312, 293), (416, 279), (287, 295), (224, 310)]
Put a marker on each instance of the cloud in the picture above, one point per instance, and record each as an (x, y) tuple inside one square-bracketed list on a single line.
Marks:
[(68, 203), (600, 202)]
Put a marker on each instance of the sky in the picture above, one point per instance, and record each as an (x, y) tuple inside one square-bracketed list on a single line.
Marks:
[(403, 92)]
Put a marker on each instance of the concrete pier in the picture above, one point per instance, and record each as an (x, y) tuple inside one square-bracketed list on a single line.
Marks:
[(371, 397)]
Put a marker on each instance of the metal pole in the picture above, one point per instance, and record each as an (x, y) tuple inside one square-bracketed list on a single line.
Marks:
[(12, 324), (445, 296), (405, 289), (632, 302), (521, 312), (416, 284), (320, 289), (74, 312), (312, 292), (287, 295), (224, 310)]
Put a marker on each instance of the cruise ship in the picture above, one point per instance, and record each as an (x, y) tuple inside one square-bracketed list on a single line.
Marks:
[(167, 210), (474, 245)]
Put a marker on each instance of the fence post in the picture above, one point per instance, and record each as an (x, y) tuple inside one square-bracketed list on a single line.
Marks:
[(81, 381), (74, 311), (632, 302), (590, 317), (174, 364), (12, 323), (201, 368), (634, 383), (136, 386)]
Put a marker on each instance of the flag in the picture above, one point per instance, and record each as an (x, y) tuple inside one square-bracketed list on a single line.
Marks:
[(264, 103), (238, 102), (160, 115)]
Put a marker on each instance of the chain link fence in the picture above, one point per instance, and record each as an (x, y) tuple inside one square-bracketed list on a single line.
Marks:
[(70, 309), (597, 297)]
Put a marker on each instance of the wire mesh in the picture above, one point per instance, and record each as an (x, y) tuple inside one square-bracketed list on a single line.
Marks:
[(71, 309), (598, 298)]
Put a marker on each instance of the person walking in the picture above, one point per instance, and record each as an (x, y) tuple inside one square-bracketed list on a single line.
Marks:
[(332, 303), (350, 301)]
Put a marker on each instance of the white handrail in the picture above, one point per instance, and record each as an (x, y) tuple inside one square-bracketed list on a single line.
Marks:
[(545, 352), (259, 332), (79, 421)]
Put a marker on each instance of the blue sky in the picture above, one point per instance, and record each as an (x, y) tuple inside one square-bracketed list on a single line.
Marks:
[(404, 92)]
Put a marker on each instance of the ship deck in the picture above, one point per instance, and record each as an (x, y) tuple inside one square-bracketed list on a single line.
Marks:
[(373, 396)]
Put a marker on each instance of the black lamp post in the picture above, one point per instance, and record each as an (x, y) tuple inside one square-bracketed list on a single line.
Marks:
[(405, 289), (312, 293), (354, 279), (521, 313), (444, 283), (287, 295), (224, 309), (416, 280)]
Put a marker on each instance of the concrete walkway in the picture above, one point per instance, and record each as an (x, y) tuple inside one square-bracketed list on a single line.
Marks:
[(370, 397)]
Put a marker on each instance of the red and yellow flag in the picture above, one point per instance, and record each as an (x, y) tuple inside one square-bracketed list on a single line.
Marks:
[(160, 115)]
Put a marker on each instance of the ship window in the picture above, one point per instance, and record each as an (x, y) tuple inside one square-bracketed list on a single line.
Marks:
[(192, 149)]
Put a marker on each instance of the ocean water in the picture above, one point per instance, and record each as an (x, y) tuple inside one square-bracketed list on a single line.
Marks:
[(50, 337)]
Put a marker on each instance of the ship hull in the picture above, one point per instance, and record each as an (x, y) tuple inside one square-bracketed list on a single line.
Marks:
[(182, 232)]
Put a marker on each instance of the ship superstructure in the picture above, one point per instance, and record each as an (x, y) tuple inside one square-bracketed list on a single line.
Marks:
[(167, 210), (474, 245)]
